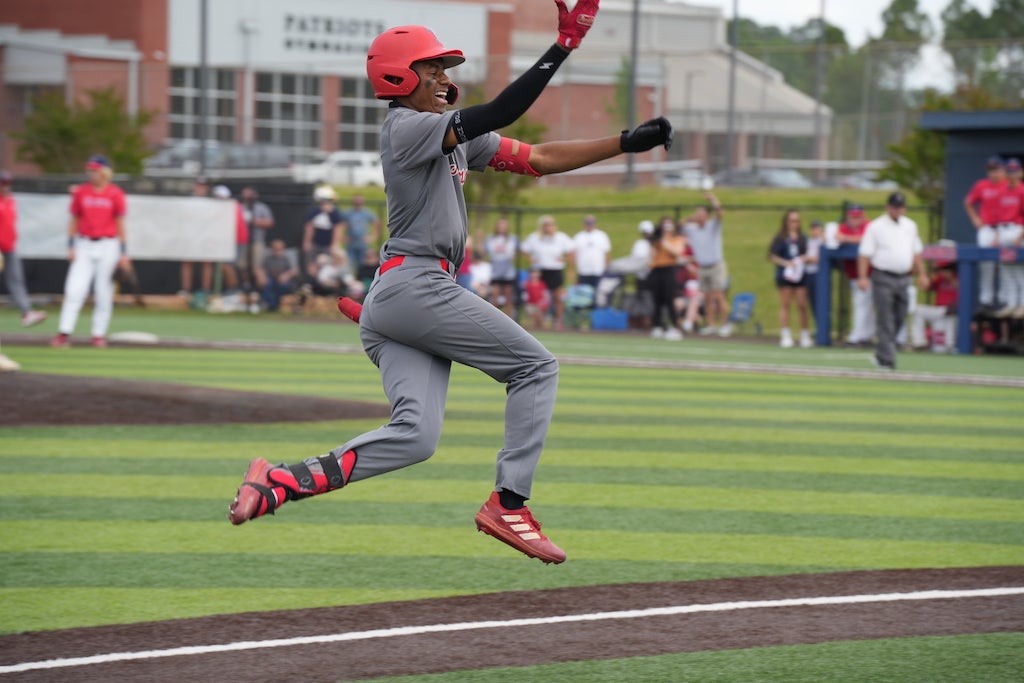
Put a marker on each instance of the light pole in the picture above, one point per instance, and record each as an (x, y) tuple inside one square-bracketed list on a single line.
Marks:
[(629, 181), (730, 138), (204, 69)]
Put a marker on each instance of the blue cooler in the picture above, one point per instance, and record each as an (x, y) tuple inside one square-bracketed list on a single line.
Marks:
[(608, 319)]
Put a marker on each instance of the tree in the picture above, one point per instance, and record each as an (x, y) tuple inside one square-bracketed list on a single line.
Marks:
[(918, 161), (496, 188), (58, 137), (906, 29)]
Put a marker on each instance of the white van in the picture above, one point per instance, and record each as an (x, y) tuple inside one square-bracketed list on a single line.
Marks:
[(343, 168)]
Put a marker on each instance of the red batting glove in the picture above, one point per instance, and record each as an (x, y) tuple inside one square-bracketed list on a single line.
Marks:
[(572, 26), (350, 308)]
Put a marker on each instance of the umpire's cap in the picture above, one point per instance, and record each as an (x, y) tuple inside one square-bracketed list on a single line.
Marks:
[(896, 199), (392, 53)]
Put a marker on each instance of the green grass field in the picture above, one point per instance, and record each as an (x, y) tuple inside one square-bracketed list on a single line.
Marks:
[(650, 474)]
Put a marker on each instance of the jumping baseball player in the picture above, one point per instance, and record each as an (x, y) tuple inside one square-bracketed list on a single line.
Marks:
[(96, 247), (416, 320)]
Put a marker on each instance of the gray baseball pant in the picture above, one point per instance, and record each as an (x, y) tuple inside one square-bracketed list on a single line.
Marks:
[(891, 302), (415, 322), (14, 278)]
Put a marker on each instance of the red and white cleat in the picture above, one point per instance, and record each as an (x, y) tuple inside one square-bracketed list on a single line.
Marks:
[(256, 496), (518, 529)]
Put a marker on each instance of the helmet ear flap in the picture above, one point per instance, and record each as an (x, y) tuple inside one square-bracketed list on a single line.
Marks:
[(453, 93)]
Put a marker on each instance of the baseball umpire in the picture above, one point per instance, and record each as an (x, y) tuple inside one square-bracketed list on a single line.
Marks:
[(416, 321)]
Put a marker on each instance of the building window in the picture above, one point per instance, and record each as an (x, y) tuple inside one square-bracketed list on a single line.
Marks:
[(359, 116), (183, 113), (288, 110)]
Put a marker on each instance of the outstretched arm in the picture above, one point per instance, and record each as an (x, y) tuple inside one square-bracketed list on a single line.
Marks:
[(516, 99)]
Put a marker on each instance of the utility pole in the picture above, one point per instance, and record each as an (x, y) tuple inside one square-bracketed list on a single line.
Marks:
[(204, 69), (730, 139), (629, 181)]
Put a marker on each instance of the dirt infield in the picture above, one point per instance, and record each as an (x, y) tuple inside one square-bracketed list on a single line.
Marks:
[(400, 648), (40, 399), (403, 644)]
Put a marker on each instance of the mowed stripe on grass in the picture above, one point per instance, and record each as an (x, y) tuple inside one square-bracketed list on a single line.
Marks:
[(698, 473)]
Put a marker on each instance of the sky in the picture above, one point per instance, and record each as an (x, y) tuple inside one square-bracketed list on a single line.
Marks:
[(859, 20)]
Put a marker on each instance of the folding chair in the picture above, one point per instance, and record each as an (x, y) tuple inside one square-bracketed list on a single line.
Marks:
[(743, 311)]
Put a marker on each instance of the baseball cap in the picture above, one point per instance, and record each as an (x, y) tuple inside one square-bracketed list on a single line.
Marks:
[(646, 227), (816, 223), (221, 192), (6, 178), (855, 210), (1013, 164), (97, 161), (589, 220), (994, 161), (896, 199)]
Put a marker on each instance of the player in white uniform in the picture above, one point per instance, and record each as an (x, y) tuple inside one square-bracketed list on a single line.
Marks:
[(415, 319)]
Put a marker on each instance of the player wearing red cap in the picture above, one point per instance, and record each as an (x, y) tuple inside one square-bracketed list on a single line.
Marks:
[(982, 207), (96, 247)]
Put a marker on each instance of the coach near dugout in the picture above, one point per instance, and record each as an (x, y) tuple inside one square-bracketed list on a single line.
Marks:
[(415, 319)]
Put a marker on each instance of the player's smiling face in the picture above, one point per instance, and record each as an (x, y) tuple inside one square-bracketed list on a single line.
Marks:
[(432, 92)]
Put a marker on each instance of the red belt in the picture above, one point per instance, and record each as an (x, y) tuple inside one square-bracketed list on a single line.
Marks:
[(396, 261)]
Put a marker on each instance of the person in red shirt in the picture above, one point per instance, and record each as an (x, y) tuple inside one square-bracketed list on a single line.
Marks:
[(1010, 234), (96, 247), (982, 207), (862, 313), (538, 298), (14, 275), (942, 315)]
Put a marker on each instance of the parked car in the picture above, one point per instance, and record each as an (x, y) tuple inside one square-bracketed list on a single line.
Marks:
[(687, 178), (343, 168), (764, 177), (866, 180), (220, 159)]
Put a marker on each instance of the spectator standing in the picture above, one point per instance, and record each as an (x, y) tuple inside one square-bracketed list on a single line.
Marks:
[(982, 206), (667, 247), (549, 250), (260, 219), (862, 310), (889, 252), (96, 247), (233, 268), (200, 188), (14, 274), (1010, 233), (788, 251), (280, 272), (322, 235), (815, 241), (592, 247), (538, 298), (362, 228), (501, 247), (703, 230)]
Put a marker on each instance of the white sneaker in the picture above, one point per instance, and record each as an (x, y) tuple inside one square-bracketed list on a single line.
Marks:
[(805, 340), (673, 334), (786, 339), (725, 330), (657, 333), (8, 365), (687, 326), (33, 318), (1004, 312)]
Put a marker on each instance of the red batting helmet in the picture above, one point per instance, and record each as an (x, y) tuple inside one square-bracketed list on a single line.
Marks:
[(393, 52)]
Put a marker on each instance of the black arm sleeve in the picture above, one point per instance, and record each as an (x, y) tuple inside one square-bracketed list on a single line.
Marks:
[(512, 102)]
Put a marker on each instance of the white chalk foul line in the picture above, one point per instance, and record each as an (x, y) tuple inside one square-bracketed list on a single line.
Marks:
[(510, 623)]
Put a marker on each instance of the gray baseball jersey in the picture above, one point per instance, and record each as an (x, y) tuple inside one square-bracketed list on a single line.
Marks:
[(416, 320), (426, 207)]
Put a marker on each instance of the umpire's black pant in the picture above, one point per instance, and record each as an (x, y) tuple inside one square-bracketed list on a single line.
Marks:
[(891, 298)]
